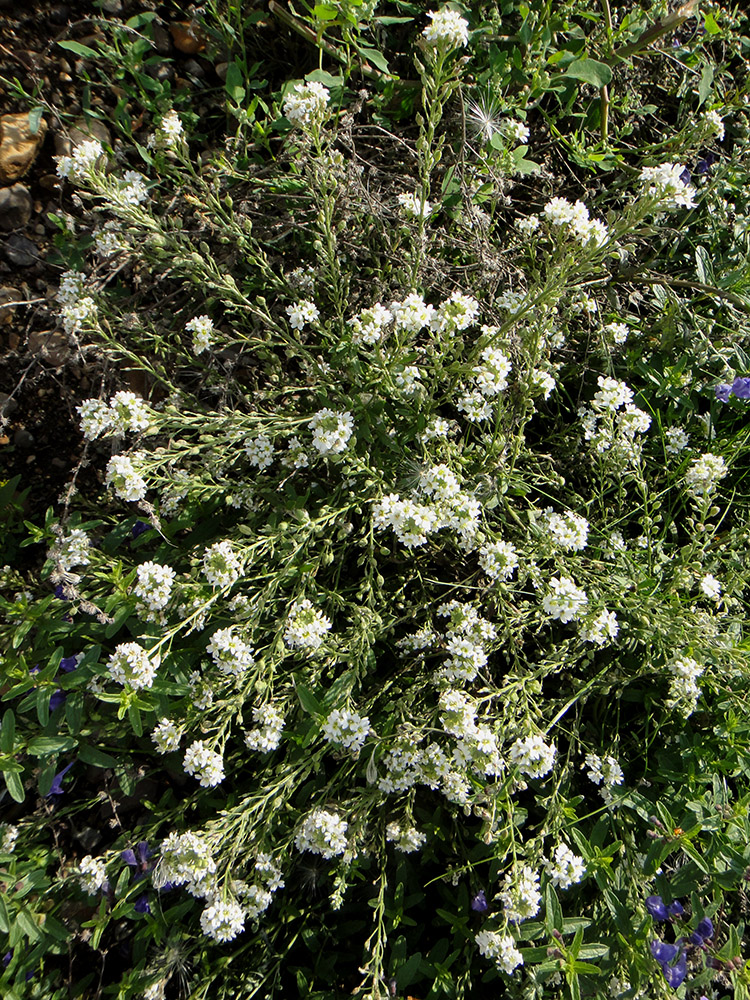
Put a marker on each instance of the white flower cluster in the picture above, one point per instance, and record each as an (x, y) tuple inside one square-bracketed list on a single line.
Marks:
[(406, 380), (516, 130), (676, 440), (412, 205), (711, 587), (78, 166), (126, 192), (618, 332), (232, 655), (683, 690), (604, 771), (612, 394), (259, 451), (154, 585), (79, 308), (346, 729), (532, 756), (110, 241), (667, 184), (8, 837), (705, 473), (92, 874), (133, 665), (609, 430), (406, 838), (448, 29), (500, 949), (267, 735), (458, 312), (569, 531), (187, 859), (715, 124), (542, 382), (202, 329), (412, 314), (306, 627), (221, 567), (466, 634), (331, 431), (71, 549), (296, 456), (477, 746), (564, 867), (601, 629), (520, 894), (306, 103), (122, 476), (412, 522), (169, 132), (564, 601), (166, 736), (204, 764), (491, 377), (368, 327), (560, 212), (323, 833), (222, 919), (302, 314)]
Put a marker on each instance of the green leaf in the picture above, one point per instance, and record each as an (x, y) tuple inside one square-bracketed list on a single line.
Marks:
[(307, 699), (79, 50), (233, 85), (8, 732), (706, 83), (407, 973), (598, 74), (35, 117), (28, 925), (42, 746), (4, 915), (14, 785), (709, 22), (554, 915), (375, 57)]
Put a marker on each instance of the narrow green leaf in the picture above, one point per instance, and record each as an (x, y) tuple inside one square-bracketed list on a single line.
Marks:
[(79, 50), (8, 732), (42, 746), (15, 785)]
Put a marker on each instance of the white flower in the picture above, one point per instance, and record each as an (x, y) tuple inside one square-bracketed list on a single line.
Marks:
[(222, 920), (412, 206), (520, 894), (612, 394), (92, 874), (306, 103), (306, 627), (500, 949), (705, 473), (367, 327), (683, 689), (8, 837), (80, 314), (563, 600), (303, 313), (569, 531), (499, 560), (715, 123), (448, 28), (475, 406), (295, 456), (81, 162), (221, 567), (204, 764), (202, 328), (407, 380), (543, 382), (186, 858), (259, 451), (455, 313), (96, 418), (170, 131), (323, 833), (413, 314), (133, 665), (166, 736), (491, 377), (331, 431), (406, 838), (666, 184), (232, 655), (121, 475), (267, 736), (517, 131), (346, 728), (618, 332), (532, 756), (71, 549), (412, 522), (603, 628), (154, 585), (565, 868), (129, 412), (711, 587), (676, 440), (528, 225), (603, 770)]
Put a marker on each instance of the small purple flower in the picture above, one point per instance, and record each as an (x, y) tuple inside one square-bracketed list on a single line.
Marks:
[(675, 908), (57, 700), (657, 909), (141, 905), (138, 528), (675, 974), (56, 787), (741, 387), (69, 663), (685, 176), (723, 392), (139, 862), (663, 952), (479, 903), (703, 932), (7, 959)]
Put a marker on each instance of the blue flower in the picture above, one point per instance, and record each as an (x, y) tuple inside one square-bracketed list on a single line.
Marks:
[(57, 700), (56, 787), (723, 392), (741, 387), (479, 903), (657, 909), (665, 954), (703, 931), (69, 663), (675, 908), (141, 862), (675, 974), (141, 905), (138, 528)]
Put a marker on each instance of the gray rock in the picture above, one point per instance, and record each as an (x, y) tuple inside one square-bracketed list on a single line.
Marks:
[(23, 438), (15, 207), (20, 251)]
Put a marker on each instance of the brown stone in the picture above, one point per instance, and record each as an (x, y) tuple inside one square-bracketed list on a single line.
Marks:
[(51, 345), (18, 145), (82, 130), (187, 37)]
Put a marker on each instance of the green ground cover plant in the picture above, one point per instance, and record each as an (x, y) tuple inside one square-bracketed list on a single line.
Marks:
[(402, 650)]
